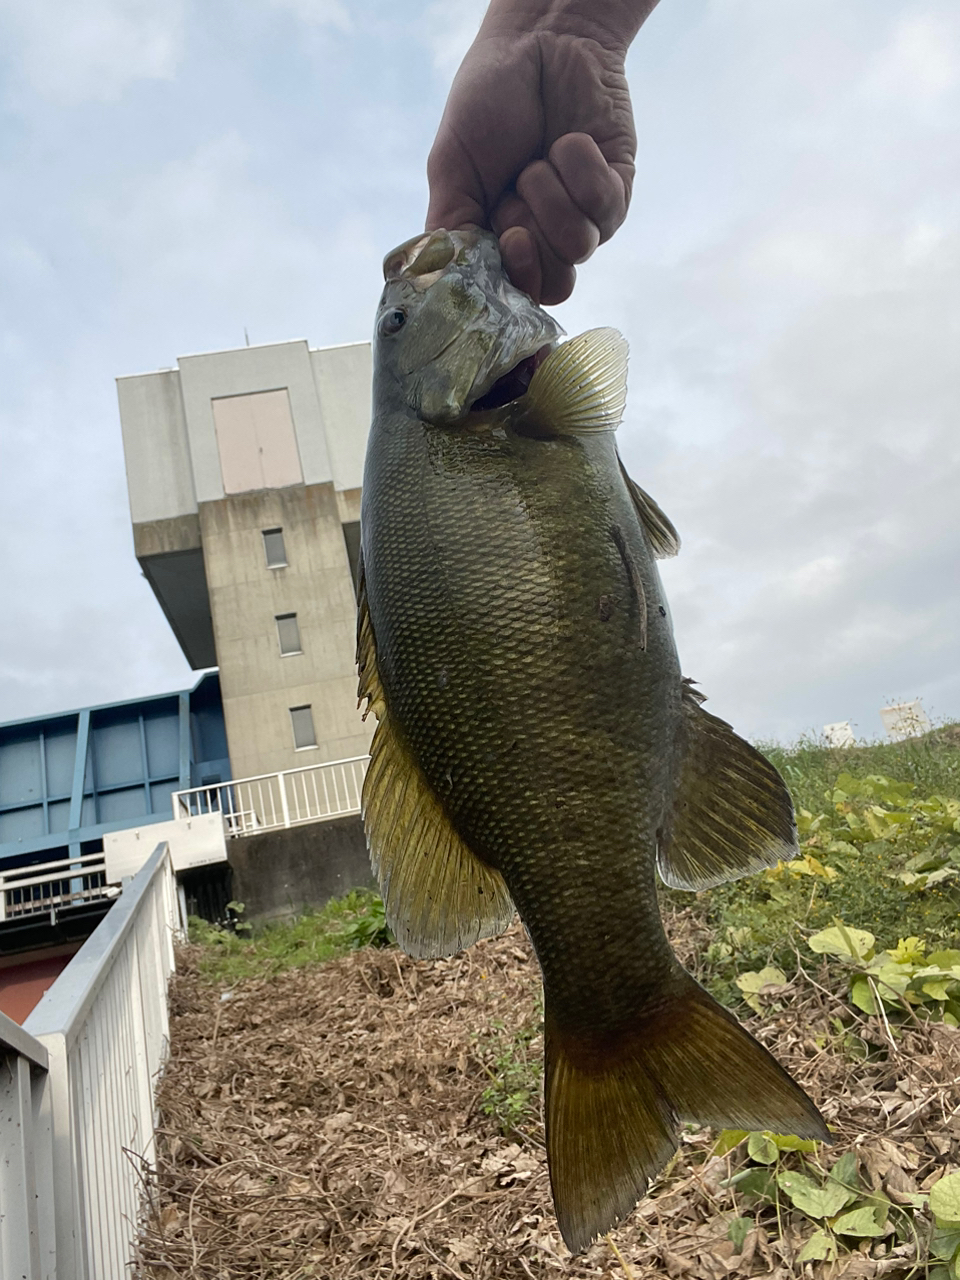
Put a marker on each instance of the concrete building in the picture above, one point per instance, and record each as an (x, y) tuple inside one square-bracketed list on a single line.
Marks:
[(244, 470)]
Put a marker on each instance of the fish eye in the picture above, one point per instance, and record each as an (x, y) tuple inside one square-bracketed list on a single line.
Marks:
[(392, 322)]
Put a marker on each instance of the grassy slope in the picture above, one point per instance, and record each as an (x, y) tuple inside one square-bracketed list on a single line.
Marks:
[(765, 919), (777, 915)]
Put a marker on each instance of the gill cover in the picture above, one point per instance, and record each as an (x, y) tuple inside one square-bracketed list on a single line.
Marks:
[(464, 323)]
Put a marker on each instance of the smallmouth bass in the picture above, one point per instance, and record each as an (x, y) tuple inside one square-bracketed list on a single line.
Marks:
[(537, 747)]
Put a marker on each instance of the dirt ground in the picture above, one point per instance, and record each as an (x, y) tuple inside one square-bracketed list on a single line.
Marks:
[(328, 1123)]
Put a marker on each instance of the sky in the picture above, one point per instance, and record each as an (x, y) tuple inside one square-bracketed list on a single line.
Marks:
[(178, 174)]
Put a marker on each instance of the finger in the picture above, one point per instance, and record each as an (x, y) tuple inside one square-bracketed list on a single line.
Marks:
[(556, 277), (521, 261), (597, 189), (569, 232)]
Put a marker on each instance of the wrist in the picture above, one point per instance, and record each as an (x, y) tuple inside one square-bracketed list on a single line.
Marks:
[(610, 23)]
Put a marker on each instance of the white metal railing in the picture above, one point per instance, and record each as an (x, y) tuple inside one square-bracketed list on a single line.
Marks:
[(26, 1169), (103, 1026), (48, 886), (311, 794)]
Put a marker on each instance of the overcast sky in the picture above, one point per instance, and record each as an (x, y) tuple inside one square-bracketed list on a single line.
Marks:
[(176, 171)]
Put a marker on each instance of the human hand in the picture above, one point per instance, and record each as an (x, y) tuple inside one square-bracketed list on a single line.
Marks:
[(537, 140)]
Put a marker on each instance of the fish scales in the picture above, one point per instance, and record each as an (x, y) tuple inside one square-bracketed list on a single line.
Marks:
[(532, 710), (536, 746)]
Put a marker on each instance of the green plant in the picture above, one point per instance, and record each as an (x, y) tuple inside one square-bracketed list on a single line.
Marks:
[(515, 1071), (340, 926), (786, 1174), (900, 978), (369, 927), (881, 852), (235, 917), (945, 1242)]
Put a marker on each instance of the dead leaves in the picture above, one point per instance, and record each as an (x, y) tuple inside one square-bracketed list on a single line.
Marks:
[(333, 1131)]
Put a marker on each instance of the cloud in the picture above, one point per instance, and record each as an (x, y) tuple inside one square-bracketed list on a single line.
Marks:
[(921, 63), (316, 13), (449, 28), (70, 52)]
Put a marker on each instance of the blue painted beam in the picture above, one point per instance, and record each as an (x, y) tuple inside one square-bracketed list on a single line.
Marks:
[(184, 741), (79, 769)]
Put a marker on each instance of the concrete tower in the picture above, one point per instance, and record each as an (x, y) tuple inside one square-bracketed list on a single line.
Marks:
[(244, 470)]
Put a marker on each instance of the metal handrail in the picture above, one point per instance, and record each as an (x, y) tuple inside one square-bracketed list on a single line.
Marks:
[(104, 1025), (69, 871), (290, 797)]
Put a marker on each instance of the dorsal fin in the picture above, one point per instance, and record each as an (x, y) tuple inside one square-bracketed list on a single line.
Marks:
[(580, 387), (664, 538), (438, 896)]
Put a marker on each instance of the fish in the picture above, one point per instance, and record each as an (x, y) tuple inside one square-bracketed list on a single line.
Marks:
[(537, 749)]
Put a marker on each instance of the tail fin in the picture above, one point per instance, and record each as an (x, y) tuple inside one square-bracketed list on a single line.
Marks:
[(613, 1108)]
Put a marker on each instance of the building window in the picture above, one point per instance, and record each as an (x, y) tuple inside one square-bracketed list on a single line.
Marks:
[(274, 549), (304, 734), (288, 633)]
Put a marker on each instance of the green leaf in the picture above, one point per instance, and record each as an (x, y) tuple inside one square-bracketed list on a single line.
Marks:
[(812, 1199), (762, 1148), (790, 1142), (821, 1247), (909, 951), (841, 940), (944, 959), (945, 1199), (738, 1231), (845, 1171), (859, 1222), (945, 1242), (861, 993), (756, 1182), (935, 990), (728, 1139)]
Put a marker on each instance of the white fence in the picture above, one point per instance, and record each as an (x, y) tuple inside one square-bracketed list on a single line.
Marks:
[(311, 794), (48, 886), (76, 1094)]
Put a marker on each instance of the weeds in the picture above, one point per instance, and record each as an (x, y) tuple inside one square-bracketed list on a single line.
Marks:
[(342, 925)]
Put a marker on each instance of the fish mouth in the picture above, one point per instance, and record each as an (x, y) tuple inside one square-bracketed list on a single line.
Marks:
[(514, 384)]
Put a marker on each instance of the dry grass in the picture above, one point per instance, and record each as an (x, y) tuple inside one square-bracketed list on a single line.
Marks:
[(325, 1122)]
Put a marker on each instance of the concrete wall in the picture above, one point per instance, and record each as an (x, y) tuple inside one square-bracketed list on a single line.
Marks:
[(169, 433), (281, 873), (343, 377), (258, 684), (155, 445), (194, 842)]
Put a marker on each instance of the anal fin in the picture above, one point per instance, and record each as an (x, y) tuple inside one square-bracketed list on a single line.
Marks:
[(732, 814), (438, 896)]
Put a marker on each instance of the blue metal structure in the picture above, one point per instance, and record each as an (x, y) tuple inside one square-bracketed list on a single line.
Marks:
[(67, 779)]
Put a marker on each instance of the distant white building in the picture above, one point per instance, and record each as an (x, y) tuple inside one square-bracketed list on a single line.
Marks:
[(839, 734), (905, 720)]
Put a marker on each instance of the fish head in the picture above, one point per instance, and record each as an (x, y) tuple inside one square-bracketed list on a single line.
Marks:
[(453, 335)]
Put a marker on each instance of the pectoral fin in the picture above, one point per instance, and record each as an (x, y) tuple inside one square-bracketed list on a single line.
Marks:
[(664, 538), (581, 387), (732, 814), (438, 896)]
